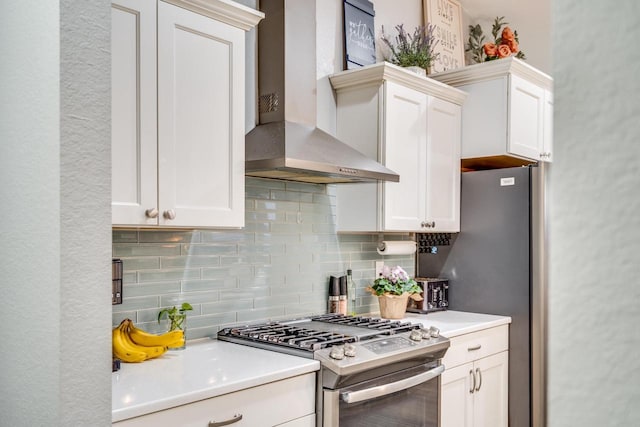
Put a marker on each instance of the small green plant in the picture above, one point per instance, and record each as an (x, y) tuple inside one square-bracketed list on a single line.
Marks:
[(412, 50), (175, 315)]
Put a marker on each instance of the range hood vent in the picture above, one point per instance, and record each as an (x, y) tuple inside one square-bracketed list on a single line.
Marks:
[(287, 144)]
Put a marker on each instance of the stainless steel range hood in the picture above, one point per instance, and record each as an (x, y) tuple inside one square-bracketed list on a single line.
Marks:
[(287, 144)]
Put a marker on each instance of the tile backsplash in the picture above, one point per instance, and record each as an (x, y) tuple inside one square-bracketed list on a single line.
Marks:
[(277, 266)]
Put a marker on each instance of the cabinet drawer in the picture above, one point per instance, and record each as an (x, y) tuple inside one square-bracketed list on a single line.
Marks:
[(469, 347), (266, 405)]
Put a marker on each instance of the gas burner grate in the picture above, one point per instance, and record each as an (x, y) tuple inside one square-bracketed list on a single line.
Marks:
[(288, 335), (384, 325)]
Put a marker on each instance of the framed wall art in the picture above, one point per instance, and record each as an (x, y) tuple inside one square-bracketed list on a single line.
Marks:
[(446, 17), (359, 34)]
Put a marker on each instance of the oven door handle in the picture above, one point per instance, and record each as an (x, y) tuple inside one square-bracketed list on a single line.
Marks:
[(383, 390)]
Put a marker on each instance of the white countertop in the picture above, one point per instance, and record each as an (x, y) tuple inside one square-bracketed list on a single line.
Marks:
[(210, 368), (206, 368), (455, 323)]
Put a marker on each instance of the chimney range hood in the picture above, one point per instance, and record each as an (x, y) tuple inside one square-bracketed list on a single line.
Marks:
[(286, 144)]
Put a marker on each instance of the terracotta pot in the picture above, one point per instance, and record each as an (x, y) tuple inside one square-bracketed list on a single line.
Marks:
[(393, 306)]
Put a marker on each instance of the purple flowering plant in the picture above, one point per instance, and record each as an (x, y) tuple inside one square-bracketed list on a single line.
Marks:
[(394, 281)]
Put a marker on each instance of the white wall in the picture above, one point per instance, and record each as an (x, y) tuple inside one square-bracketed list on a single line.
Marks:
[(594, 288), (29, 164), (55, 163)]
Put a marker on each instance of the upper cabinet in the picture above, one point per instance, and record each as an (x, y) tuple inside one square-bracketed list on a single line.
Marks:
[(178, 112), (411, 124), (507, 117)]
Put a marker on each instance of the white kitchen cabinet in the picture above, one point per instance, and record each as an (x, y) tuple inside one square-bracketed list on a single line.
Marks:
[(411, 124), (178, 117), (289, 402), (507, 118), (474, 386)]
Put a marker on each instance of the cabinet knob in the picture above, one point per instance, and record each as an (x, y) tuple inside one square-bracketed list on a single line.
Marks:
[(151, 213), (426, 224), (169, 214)]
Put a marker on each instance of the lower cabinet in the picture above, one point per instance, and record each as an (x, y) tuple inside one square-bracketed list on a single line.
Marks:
[(474, 386), (289, 403)]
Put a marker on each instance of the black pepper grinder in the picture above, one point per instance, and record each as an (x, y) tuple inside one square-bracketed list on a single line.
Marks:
[(334, 294)]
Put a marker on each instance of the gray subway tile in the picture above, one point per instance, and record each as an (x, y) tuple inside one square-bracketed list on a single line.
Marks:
[(291, 196), (265, 183), (275, 301), (226, 272), (228, 305), (210, 249), (208, 284), (244, 293), (263, 248), (168, 275), (257, 192), (245, 259), (145, 263), (190, 261), (272, 205), (228, 236), (124, 236), (260, 313), (162, 236), (137, 303), (132, 250), (305, 187), (263, 217), (140, 290)]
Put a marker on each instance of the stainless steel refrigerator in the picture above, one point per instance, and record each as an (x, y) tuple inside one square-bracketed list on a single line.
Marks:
[(497, 265)]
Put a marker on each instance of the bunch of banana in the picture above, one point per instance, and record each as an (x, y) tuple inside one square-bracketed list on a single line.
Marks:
[(132, 344)]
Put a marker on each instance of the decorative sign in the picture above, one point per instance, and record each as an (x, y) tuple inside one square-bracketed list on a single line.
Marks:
[(446, 17), (359, 34)]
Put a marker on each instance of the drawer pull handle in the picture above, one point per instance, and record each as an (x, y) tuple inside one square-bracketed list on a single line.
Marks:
[(233, 420), (474, 348), (479, 379), (472, 381)]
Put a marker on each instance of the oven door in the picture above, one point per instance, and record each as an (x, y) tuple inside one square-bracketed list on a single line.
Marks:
[(408, 398)]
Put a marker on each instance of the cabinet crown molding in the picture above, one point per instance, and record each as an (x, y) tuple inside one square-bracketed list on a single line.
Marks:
[(493, 69), (376, 74), (226, 11)]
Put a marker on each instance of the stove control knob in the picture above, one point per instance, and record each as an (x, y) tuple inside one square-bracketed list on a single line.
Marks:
[(350, 350), (435, 332), (337, 352), (415, 335), (426, 333)]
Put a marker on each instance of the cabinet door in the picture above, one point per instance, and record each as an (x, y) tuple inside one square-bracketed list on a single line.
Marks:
[(526, 118), (443, 166), (404, 148), (271, 404), (456, 404), (491, 396), (133, 112), (200, 119), (547, 145)]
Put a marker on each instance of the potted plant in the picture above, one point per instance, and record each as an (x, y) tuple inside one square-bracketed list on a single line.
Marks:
[(393, 288), (412, 50), (177, 318)]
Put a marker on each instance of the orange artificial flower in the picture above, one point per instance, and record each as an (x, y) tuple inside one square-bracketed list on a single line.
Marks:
[(503, 51), (513, 46), (507, 35), (490, 49)]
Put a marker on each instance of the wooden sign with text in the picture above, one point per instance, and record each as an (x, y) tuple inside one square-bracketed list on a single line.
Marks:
[(446, 17), (359, 34)]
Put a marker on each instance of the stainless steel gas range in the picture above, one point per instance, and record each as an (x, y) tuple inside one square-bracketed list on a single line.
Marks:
[(374, 372)]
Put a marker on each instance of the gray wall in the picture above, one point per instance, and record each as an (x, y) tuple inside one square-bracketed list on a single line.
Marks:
[(594, 369), (277, 266), (55, 163)]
